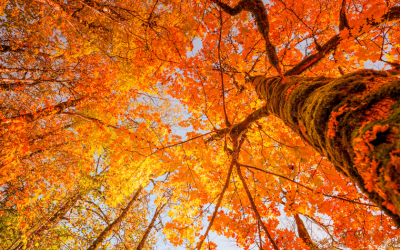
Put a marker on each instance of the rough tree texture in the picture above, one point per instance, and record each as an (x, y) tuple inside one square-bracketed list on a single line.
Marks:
[(354, 121)]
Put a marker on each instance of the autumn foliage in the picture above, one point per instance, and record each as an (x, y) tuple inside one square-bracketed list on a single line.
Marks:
[(157, 123)]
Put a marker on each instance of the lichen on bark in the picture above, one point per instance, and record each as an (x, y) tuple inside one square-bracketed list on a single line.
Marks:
[(353, 120)]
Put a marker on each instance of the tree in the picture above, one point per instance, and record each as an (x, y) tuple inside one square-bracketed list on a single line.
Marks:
[(49, 222), (316, 108), (281, 117), (103, 235)]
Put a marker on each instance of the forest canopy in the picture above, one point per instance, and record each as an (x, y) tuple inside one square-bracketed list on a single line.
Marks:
[(158, 124)]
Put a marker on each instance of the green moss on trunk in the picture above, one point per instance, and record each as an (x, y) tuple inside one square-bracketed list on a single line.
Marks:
[(353, 120)]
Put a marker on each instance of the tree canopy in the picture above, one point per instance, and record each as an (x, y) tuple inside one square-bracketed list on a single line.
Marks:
[(130, 124)]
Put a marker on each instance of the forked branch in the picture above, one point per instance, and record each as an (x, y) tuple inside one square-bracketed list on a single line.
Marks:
[(257, 8), (241, 127)]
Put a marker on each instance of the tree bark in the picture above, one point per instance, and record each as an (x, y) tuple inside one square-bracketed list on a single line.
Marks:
[(103, 235), (353, 120), (303, 233)]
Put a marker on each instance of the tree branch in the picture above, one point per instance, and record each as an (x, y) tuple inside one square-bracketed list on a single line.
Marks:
[(241, 127), (308, 188), (60, 6), (8, 84), (49, 222), (221, 196), (254, 207), (257, 8), (8, 48), (344, 23), (227, 123), (392, 15)]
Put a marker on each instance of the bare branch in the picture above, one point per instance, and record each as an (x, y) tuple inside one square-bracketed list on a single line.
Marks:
[(241, 127)]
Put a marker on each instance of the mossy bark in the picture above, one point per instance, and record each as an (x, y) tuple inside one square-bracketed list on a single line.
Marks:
[(354, 121)]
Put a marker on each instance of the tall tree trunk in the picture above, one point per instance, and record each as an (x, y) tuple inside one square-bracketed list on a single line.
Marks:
[(353, 120), (33, 116), (8, 84), (303, 233), (150, 227), (103, 235), (48, 223)]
